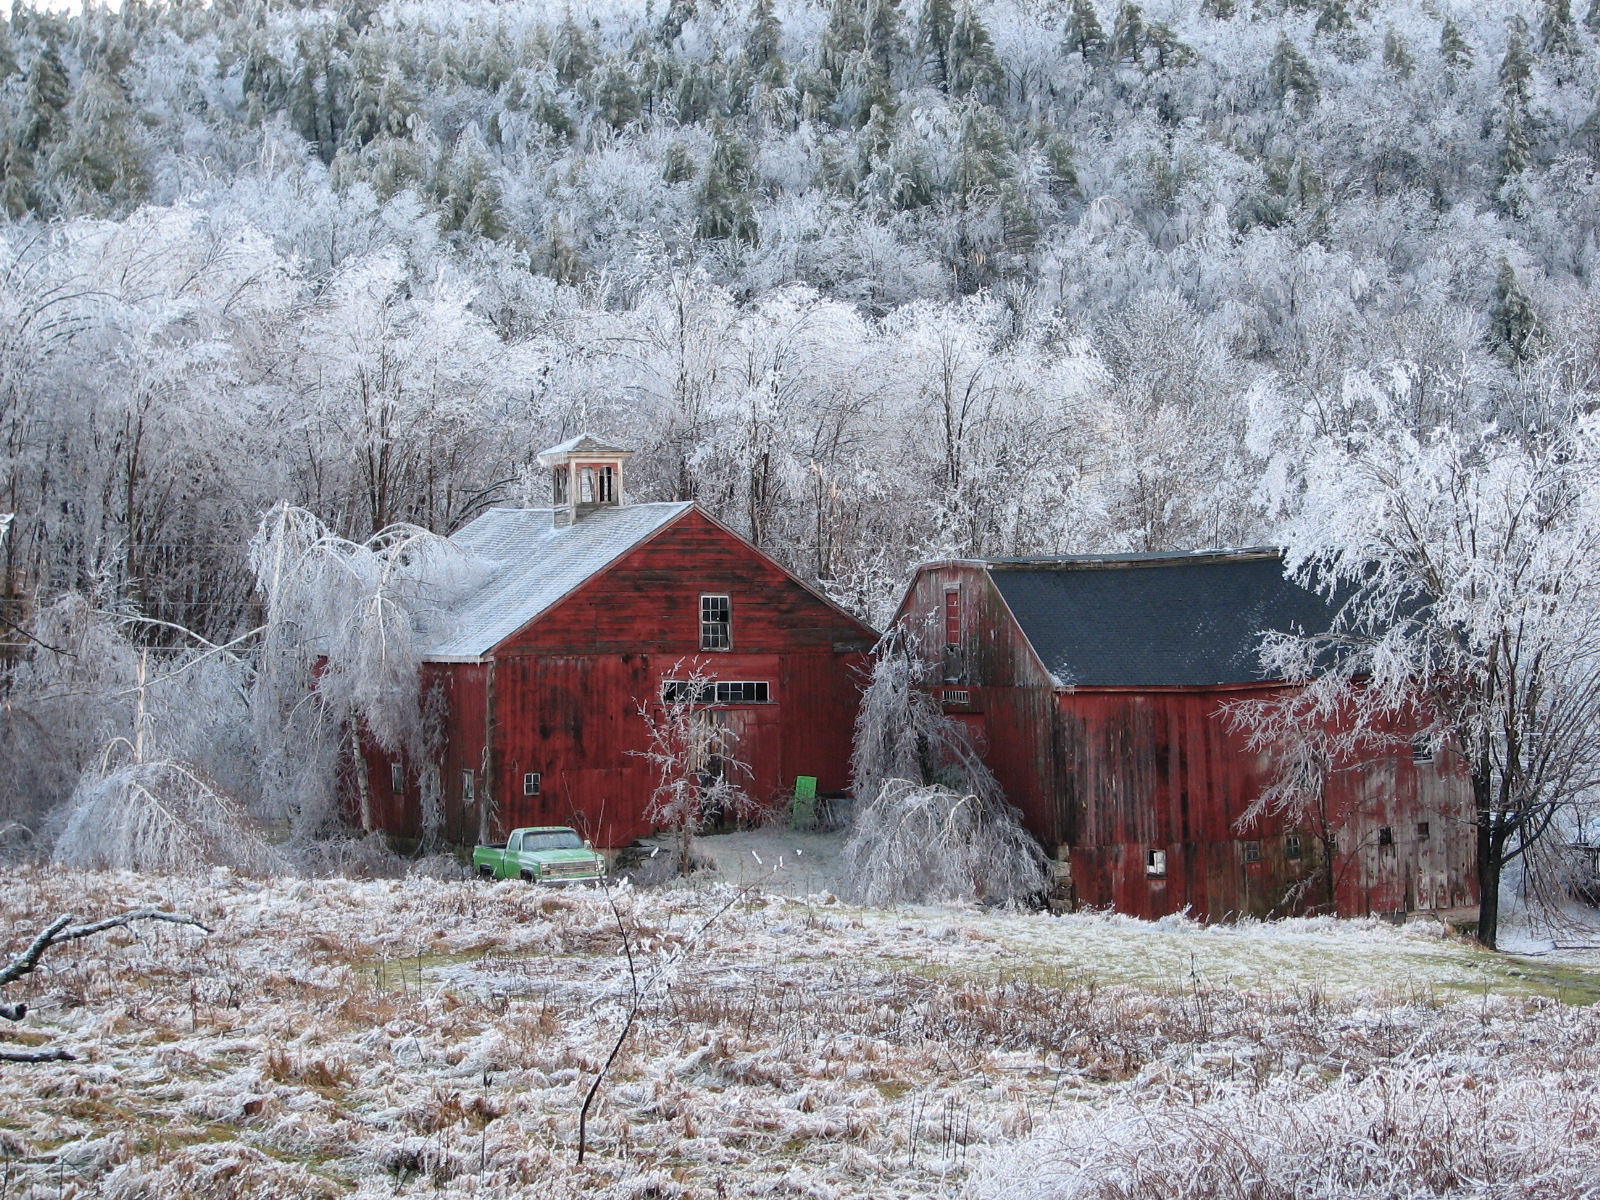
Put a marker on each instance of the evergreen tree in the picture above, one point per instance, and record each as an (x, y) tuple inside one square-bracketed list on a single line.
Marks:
[(381, 103), (1516, 68), (317, 102), (1397, 55), (984, 162), (573, 55), (938, 32), (1587, 135), (1084, 35), (8, 54), (1169, 51), (102, 155), (1058, 161), (726, 213), (679, 167), (1127, 36), (884, 42), (1453, 46), (976, 70), (1290, 75), (46, 95), (761, 44), (1558, 33), (1515, 150), (1514, 328), (1591, 19), (616, 100), (679, 13), (1220, 10), (1334, 17)]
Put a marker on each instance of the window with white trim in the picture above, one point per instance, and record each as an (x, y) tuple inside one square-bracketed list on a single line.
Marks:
[(397, 778), (716, 623), (530, 783), (1155, 864), (469, 788), (721, 691)]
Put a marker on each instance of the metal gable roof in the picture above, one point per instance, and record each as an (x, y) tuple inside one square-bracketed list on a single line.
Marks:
[(1156, 620), (533, 564)]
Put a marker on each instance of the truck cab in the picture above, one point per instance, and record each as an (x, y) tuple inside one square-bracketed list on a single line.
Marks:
[(541, 854)]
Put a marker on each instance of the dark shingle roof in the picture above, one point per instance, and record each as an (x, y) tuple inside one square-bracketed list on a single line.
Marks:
[(1156, 619)]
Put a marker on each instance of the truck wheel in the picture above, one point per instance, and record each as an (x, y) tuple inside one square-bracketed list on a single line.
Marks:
[(486, 872), (528, 875)]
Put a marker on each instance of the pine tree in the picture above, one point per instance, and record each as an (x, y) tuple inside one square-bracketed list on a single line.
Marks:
[(1334, 17), (976, 69), (573, 55), (761, 44), (47, 94), (1291, 75), (8, 54), (616, 100), (726, 213), (1058, 161), (884, 42), (1591, 19), (1453, 46), (1127, 36), (102, 154), (679, 13), (679, 167), (1084, 35), (1513, 325), (984, 161), (1558, 33), (938, 32), (1169, 51), (1515, 150), (1587, 135), (1516, 68), (1397, 55), (1220, 10)]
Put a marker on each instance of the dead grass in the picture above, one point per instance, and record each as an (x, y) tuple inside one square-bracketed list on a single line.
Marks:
[(433, 1035)]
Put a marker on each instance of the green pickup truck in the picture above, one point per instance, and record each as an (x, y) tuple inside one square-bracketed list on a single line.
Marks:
[(545, 854)]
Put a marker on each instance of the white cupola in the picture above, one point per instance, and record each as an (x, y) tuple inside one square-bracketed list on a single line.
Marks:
[(585, 474)]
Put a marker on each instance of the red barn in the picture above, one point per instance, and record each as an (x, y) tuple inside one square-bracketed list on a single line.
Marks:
[(1096, 686), (587, 610)]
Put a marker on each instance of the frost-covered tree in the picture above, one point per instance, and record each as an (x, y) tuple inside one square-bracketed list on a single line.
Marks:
[(930, 821), (695, 757), (1466, 568)]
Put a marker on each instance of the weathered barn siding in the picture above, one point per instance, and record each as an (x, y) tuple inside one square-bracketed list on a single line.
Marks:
[(1011, 695), (565, 690), (1105, 775)]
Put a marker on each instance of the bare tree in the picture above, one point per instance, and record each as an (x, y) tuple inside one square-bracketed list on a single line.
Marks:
[(699, 773), (58, 931)]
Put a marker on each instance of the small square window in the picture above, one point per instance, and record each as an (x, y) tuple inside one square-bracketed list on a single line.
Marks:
[(1252, 852), (397, 778), (1385, 836), (1155, 864), (530, 784), (1421, 751), (1423, 831), (1292, 847), (716, 623), (469, 788)]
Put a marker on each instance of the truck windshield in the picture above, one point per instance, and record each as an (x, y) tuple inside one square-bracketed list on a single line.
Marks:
[(565, 840)]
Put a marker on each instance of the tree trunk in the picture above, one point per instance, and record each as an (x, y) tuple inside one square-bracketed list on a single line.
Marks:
[(1491, 859)]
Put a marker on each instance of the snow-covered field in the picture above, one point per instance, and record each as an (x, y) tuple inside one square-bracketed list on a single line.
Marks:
[(407, 1037)]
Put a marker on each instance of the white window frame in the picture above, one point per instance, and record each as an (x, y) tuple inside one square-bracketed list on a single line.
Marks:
[(708, 626), (531, 783)]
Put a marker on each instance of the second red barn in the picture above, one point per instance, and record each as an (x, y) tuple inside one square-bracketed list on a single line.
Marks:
[(587, 610), (1098, 689)]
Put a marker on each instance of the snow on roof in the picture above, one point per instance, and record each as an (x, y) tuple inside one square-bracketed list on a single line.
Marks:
[(533, 564), (584, 443)]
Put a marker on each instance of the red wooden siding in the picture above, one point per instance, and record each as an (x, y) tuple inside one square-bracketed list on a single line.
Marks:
[(1106, 775), (567, 688)]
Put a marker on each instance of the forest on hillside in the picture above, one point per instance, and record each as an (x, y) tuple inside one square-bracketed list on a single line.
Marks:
[(875, 281)]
